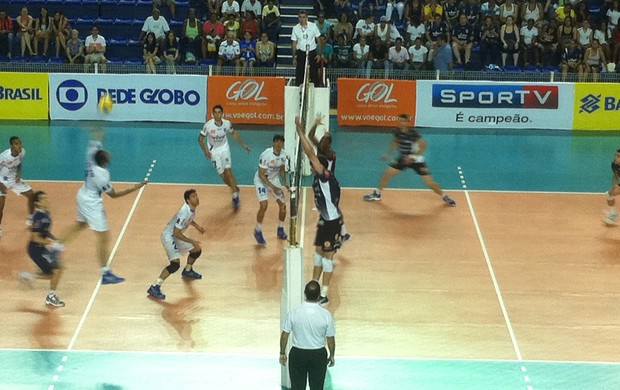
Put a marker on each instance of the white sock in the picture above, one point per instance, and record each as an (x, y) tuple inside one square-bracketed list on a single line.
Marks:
[(259, 227), (377, 191), (159, 281), (51, 293), (324, 290), (343, 230), (281, 224), (105, 269), (235, 194), (188, 267)]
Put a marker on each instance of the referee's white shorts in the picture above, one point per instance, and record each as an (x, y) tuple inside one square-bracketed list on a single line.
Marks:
[(18, 187), (263, 191), (91, 212), (174, 248), (220, 157)]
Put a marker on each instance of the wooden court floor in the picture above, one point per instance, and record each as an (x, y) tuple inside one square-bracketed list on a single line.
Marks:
[(414, 281)]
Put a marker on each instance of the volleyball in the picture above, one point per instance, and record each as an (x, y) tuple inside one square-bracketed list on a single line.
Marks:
[(105, 103)]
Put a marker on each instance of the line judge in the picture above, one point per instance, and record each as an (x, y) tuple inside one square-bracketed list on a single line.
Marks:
[(305, 34)]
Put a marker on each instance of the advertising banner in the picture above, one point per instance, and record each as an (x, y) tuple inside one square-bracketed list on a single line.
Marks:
[(256, 100), (597, 106), (364, 102), (23, 95), (454, 104), (136, 97)]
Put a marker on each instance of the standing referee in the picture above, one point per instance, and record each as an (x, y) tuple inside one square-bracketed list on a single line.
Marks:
[(305, 35), (311, 325)]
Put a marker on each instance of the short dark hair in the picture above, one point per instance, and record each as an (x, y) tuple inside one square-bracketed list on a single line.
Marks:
[(302, 12), (188, 193), (278, 137), (12, 139), (312, 291), (102, 158), (218, 106)]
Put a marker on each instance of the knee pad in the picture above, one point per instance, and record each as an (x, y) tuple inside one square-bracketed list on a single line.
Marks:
[(609, 195), (318, 260), (195, 255), (173, 267), (328, 264)]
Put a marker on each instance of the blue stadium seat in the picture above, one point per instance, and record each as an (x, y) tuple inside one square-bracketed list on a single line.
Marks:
[(104, 21), (208, 62), (4, 59), (115, 60), (38, 60), (85, 22), (531, 69), (90, 8), (54, 5), (19, 59), (551, 69), (512, 68), (134, 42), (118, 41), (56, 60), (133, 61)]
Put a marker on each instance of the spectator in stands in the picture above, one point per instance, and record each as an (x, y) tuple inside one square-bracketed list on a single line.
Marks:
[(251, 24), (343, 53), (150, 53), (418, 53), (594, 60), (365, 27), (414, 9), (603, 35), (75, 48), (415, 29), (581, 12), (532, 9), (252, 5), (566, 32), (472, 10), (368, 6), (571, 59), (95, 49), (214, 7), (342, 7), (431, 9), (324, 26), (398, 56), (6, 34), (229, 53), (613, 15), (489, 42), (26, 31), (462, 39), (325, 7), (529, 44), (400, 8), (43, 31), (451, 13), (324, 56), (584, 35), (508, 9), (265, 52), (156, 24), (616, 41), (382, 31), (271, 21), (434, 30), (443, 57), (60, 30), (343, 27), (171, 52), (549, 44), (361, 54), (490, 8), (172, 6), (214, 24), (378, 56), (232, 25), (247, 46), (563, 12), (202, 7), (509, 36), (191, 33), (231, 7), (211, 45)]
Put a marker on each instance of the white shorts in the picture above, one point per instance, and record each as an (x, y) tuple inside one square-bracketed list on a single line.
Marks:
[(18, 187), (175, 248), (263, 191), (91, 211), (220, 157)]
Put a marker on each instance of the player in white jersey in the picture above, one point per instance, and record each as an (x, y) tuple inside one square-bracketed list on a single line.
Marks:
[(217, 150), (271, 179), (11, 175), (176, 244), (90, 211)]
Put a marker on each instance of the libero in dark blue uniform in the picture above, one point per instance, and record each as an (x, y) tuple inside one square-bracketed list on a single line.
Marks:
[(44, 258)]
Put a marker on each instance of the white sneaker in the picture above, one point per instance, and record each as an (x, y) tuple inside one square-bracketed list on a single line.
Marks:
[(611, 217)]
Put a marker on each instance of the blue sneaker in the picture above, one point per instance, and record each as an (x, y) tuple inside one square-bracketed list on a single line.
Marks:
[(155, 292), (109, 278), (236, 202), (449, 201), (281, 234), (375, 196), (191, 274), (259, 237)]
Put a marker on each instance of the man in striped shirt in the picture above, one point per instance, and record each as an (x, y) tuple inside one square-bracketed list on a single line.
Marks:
[(411, 147)]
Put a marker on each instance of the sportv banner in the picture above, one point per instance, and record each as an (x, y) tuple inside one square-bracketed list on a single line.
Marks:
[(23, 95), (482, 104), (365, 102), (161, 98), (257, 100), (597, 106)]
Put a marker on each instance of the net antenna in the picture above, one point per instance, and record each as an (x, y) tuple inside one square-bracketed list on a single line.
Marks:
[(296, 169)]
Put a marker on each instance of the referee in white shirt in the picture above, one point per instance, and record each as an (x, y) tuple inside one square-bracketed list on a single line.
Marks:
[(311, 325), (305, 34)]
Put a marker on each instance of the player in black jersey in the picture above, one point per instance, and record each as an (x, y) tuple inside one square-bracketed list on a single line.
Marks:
[(324, 148), (326, 198), (612, 215), (44, 249), (411, 147)]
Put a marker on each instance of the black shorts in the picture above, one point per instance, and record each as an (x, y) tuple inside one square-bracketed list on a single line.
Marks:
[(328, 234), (402, 163), (45, 259)]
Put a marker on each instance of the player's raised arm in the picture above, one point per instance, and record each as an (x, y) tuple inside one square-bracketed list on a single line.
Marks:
[(312, 133), (308, 149)]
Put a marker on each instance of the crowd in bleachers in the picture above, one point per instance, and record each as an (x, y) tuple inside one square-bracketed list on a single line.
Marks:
[(581, 36), (131, 31)]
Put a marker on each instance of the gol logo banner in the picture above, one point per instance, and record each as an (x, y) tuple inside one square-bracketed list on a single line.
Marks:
[(364, 102), (256, 100)]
